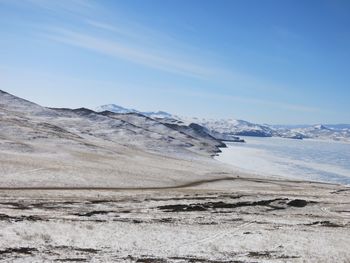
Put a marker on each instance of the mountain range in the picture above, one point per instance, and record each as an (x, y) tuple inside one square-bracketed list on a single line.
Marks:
[(229, 129), (118, 109), (82, 147)]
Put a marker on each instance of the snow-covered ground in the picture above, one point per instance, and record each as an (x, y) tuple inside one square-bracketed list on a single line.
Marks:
[(233, 220), (82, 186)]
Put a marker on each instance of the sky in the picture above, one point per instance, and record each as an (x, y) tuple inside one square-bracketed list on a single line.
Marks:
[(275, 62)]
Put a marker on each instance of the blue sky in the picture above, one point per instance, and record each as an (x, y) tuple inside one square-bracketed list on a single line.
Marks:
[(278, 62)]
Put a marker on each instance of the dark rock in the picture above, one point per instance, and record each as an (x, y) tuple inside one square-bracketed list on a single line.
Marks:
[(324, 223), (88, 214), (18, 250), (297, 203)]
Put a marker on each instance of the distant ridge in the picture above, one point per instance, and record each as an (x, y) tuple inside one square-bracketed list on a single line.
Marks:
[(118, 109), (228, 129)]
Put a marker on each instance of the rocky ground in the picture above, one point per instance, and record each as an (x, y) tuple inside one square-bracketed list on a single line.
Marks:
[(225, 220)]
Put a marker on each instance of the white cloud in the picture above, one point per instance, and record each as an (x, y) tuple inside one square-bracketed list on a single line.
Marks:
[(75, 6), (171, 61), (130, 53), (248, 100)]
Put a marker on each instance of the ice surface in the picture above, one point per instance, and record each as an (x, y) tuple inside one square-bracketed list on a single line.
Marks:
[(309, 160)]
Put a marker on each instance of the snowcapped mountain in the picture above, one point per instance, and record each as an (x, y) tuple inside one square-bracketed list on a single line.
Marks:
[(24, 121), (114, 108), (80, 147), (225, 128), (238, 127), (220, 129), (338, 126), (177, 122), (157, 114), (229, 129), (320, 131), (118, 109)]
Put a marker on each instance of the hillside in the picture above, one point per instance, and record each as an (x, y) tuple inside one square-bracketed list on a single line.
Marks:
[(83, 147)]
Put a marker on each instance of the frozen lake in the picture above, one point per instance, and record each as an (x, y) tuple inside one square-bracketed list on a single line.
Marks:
[(316, 160)]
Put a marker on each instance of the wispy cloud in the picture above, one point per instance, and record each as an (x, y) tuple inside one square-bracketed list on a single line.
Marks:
[(135, 32), (277, 105), (94, 28), (170, 60), (128, 41), (104, 26), (74, 6), (129, 53), (246, 100)]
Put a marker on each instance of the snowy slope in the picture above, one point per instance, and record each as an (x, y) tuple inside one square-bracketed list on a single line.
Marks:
[(81, 147), (25, 120)]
